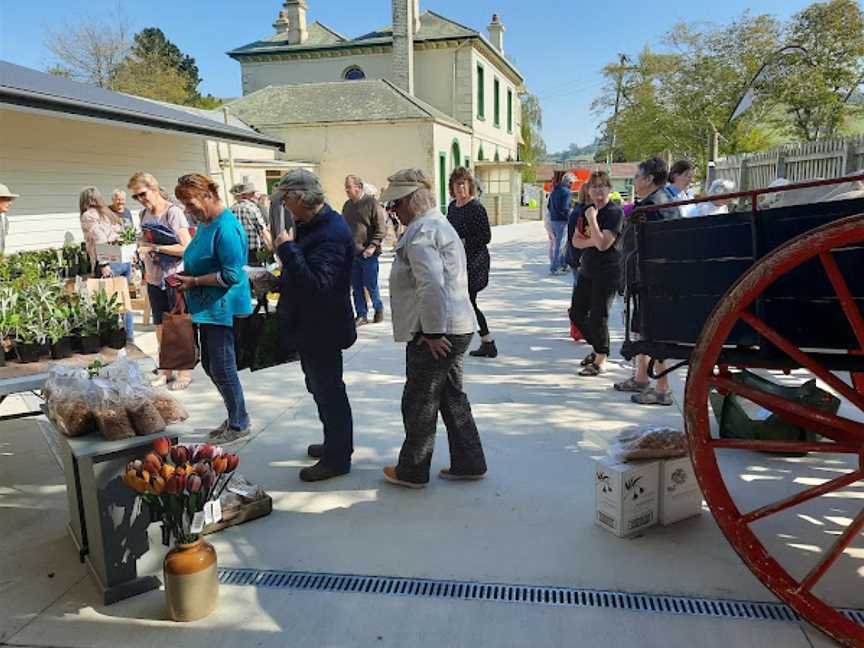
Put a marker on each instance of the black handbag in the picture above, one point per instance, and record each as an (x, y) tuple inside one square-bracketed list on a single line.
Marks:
[(257, 340)]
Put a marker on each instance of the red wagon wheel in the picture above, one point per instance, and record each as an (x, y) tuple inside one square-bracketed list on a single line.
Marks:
[(843, 435)]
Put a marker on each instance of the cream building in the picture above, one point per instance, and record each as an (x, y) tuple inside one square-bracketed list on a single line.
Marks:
[(425, 91), (59, 136)]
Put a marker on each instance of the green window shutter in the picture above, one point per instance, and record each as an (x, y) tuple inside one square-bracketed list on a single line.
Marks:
[(496, 98), (509, 111), (442, 184), (481, 92)]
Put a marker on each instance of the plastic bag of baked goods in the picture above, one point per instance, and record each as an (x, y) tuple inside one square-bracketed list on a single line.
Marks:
[(145, 417), (109, 408), (649, 443), (169, 407), (67, 401)]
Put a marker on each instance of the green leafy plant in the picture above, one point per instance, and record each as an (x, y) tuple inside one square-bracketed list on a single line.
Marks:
[(106, 311), (128, 236), (94, 368)]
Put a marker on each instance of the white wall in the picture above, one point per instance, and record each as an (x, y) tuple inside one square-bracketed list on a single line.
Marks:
[(372, 151), (433, 78), (48, 160), (260, 75)]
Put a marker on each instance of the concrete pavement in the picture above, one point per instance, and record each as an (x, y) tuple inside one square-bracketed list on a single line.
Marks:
[(529, 522)]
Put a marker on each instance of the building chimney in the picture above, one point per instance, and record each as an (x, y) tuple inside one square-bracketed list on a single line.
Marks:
[(496, 33), (282, 23), (403, 44), (295, 13)]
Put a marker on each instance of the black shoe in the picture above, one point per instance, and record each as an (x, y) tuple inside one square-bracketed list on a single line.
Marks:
[(316, 450), (486, 350), (379, 316), (320, 472), (361, 321)]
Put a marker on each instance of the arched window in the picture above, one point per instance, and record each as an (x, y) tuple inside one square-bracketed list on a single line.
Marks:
[(480, 155), (455, 155), (354, 73)]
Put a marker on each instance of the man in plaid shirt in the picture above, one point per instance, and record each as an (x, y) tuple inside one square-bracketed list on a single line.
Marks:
[(249, 214)]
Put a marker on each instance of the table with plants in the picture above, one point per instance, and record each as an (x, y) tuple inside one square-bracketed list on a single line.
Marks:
[(47, 314)]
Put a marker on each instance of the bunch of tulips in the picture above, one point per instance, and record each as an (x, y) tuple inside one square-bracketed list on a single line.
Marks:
[(176, 481)]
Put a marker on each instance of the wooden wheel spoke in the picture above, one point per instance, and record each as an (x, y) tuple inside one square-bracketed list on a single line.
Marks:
[(833, 553), (804, 359), (837, 428), (841, 288), (803, 496)]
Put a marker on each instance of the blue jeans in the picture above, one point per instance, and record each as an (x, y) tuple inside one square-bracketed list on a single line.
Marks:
[(323, 370), (364, 274), (559, 231), (220, 364), (125, 270)]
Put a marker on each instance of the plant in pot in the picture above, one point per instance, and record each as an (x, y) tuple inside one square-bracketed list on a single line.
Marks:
[(30, 338), (58, 328), (70, 259), (180, 484), (9, 297), (88, 323), (107, 311)]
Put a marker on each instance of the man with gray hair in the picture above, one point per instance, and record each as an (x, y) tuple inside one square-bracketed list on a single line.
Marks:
[(249, 214), (368, 224), (315, 313)]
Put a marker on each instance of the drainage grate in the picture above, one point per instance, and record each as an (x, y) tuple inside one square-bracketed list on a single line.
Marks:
[(524, 594)]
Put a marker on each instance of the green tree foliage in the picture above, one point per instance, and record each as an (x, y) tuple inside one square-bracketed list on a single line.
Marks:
[(151, 77), (815, 87), (674, 100), (151, 45), (533, 148)]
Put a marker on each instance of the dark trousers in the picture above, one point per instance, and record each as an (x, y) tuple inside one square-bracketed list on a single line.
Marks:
[(481, 318), (431, 386), (220, 365), (589, 310), (323, 370)]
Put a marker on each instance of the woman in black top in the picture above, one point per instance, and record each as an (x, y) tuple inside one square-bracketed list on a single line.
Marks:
[(468, 217), (599, 270)]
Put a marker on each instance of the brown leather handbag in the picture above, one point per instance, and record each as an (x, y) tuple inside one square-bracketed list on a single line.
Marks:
[(179, 350)]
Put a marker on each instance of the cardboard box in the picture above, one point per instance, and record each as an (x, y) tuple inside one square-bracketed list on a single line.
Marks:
[(108, 253), (680, 497), (626, 495)]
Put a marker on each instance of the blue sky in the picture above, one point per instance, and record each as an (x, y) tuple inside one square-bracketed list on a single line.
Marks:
[(560, 47)]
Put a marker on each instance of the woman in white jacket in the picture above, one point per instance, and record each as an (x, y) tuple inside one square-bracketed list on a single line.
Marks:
[(432, 313)]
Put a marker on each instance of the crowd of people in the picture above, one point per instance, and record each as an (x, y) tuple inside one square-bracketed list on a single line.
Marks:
[(328, 280)]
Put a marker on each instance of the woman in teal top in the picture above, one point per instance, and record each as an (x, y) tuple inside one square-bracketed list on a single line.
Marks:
[(217, 290)]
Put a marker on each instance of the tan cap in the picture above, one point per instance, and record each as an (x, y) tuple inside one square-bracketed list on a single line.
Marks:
[(243, 188), (404, 183), (5, 193)]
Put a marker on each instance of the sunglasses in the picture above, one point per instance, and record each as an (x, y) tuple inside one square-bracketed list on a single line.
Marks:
[(138, 196)]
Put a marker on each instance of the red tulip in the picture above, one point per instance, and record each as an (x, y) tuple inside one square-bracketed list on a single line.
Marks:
[(151, 468), (181, 482), (208, 479), (174, 486), (233, 462), (154, 459), (193, 484), (201, 468), (179, 455), (162, 446), (203, 452)]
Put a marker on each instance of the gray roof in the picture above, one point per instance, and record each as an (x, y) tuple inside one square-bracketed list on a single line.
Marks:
[(319, 35), (21, 86), (335, 102)]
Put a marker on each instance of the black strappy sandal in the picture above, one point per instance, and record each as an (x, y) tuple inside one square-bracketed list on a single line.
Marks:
[(589, 359)]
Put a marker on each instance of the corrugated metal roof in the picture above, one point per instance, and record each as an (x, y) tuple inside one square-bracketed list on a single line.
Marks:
[(335, 102), (24, 87)]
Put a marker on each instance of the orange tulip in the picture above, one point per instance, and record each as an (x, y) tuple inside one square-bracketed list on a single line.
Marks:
[(220, 464), (139, 484), (158, 486), (153, 458), (167, 471), (162, 446)]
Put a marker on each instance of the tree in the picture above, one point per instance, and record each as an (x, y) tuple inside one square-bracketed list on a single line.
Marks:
[(90, 51), (815, 87), (676, 99), (533, 148), (151, 77), (152, 45)]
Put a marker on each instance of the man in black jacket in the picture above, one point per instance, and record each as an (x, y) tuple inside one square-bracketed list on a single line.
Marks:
[(315, 313)]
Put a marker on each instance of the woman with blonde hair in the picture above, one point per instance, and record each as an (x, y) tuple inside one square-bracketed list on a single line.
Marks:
[(432, 313), (146, 190), (101, 225)]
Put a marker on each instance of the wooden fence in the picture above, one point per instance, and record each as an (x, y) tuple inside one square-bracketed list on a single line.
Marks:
[(795, 162)]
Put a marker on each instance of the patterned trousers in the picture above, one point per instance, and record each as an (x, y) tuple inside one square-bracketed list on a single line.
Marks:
[(431, 386)]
